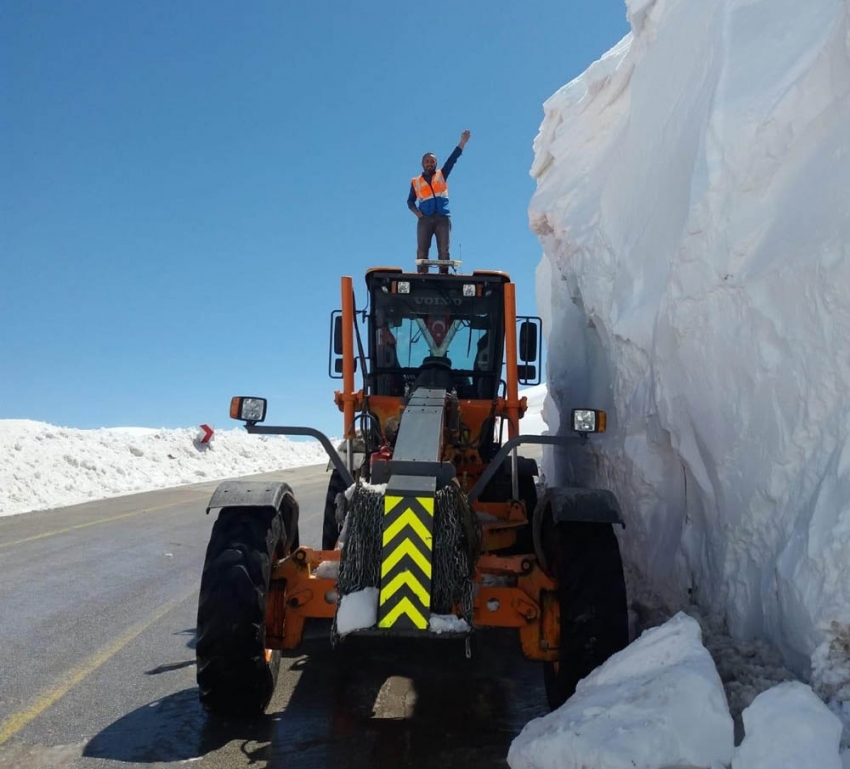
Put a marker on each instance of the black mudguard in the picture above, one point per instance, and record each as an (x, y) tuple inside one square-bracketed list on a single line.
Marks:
[(570, 505), (276, 494)]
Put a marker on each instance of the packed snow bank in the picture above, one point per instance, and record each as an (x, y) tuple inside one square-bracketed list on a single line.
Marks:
[(658, 703), (692, 207), (534, 421), (789, 725), (46, 466)]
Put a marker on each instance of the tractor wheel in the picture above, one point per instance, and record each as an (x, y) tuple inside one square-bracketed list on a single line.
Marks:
[(236, 673), (330, 528), (592, 599)]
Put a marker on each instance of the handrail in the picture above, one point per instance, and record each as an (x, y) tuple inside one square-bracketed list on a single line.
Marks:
[(496, 462), (312, 432)]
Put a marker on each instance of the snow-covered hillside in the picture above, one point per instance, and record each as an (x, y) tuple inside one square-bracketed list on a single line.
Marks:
[(692, 207), (45, 466)]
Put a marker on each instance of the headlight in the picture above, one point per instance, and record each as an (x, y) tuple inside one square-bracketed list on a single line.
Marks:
[(588, 421), (248, 409), (403, 286), (469, 289)]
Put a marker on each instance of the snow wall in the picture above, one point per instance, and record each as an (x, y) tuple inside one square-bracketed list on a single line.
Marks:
[(693, 204)]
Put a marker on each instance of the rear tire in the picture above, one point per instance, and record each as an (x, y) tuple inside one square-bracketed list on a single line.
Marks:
[(592, 599), (330, 528), (236, 673)]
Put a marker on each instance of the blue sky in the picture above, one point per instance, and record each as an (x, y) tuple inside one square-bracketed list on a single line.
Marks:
[(183, 183)]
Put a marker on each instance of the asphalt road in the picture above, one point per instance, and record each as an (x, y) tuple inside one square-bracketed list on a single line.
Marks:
[(97, 660)]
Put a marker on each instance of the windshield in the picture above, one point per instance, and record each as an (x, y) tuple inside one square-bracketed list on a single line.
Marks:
[(439, 322)]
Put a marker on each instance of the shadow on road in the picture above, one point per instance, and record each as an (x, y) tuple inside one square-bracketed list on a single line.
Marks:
[(411, 704), (373, 702), (174, 728)]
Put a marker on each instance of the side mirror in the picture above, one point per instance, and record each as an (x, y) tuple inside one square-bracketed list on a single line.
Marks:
[(337, 334), (335, 353), (338, 367), (335, 347), (528, 342)]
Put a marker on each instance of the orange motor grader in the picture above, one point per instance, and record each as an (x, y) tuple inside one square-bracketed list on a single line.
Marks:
[(432, 515)]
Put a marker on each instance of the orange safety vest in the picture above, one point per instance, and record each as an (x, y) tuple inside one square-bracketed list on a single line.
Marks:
[(434, 197)]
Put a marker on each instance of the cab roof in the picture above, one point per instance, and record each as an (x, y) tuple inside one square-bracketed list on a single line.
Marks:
[(488, 274)]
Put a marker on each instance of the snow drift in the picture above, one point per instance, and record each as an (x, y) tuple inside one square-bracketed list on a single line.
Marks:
[(789, 726), (692, 207), (658, 702)]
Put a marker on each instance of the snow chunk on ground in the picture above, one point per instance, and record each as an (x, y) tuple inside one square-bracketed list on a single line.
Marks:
[(357, 610), (788, 725), (657, 703)]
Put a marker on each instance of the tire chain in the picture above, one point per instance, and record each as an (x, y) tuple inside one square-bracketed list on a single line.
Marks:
[(456, 545)]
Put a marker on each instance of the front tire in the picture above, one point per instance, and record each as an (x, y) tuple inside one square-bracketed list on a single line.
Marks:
[(330, 527), (236, 673), (592, 600)]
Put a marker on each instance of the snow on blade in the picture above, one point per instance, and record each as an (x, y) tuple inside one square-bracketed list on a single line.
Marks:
[(658, 703), (327, 570), (447, 623), (357, 611)]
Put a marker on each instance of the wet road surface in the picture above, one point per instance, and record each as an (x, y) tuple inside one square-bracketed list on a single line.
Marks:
[(415, 705), (97, 615)]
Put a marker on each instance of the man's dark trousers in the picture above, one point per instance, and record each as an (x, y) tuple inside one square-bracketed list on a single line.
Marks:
[(428, 226)]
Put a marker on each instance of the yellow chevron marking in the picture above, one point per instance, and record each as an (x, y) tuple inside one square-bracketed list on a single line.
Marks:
[(405, 578), (404, 606), (406, 548), (391, 502), (409, 518)]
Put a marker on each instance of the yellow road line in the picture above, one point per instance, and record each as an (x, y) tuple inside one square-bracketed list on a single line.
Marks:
[(110, 520), (101, 520), (17, 721)]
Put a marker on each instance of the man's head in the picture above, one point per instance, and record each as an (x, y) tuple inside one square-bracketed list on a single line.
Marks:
[(429, 162)]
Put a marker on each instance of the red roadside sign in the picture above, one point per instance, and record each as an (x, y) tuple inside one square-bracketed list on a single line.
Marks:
[(206, 434)]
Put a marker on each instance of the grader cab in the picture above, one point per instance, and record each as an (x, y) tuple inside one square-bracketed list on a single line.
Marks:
[(433, 523)]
